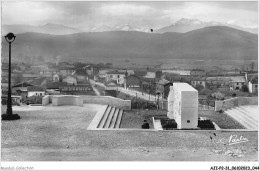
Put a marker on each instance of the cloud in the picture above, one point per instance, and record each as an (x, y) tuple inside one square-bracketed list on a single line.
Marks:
[(148, 14)]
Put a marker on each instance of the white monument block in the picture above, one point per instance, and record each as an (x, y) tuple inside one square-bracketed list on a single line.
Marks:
[(184, 108)]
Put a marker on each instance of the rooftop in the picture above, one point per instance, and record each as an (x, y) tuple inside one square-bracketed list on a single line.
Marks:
[(117, 72), (80, 71), (34, 88)]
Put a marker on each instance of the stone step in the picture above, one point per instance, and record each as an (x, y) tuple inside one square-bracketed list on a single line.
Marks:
[(251, 122), (104, 118), (233, 115), (247, 112), (113, 121), (252, 110), (238, 118), (245, 116), (109, 118), (119, 118)]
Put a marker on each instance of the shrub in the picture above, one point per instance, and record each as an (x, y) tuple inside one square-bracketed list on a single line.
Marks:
[(143, 105), (168, 123), (218, 96), (244, 88), (199, 87), (205, 124)]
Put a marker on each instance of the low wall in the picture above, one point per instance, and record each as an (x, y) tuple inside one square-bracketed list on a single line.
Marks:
[(233, 102), (46, 100), (108, 100), (67, 100)]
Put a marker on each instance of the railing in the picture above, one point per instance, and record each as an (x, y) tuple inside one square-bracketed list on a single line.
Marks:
[(206, 104)]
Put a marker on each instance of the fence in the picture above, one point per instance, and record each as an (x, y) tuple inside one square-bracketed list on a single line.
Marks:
[(206, 104), (16, 100)]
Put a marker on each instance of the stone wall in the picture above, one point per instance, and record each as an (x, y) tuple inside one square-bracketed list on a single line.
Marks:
[(46, 100), (108, 100), (105, 100), (233, 102), (62, 100)]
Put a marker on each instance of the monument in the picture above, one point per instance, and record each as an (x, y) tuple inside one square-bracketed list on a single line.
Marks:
[(183, 105)]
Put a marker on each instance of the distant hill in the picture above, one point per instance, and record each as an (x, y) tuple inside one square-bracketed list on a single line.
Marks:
[(55, 29), (185, 25), (216, 42)]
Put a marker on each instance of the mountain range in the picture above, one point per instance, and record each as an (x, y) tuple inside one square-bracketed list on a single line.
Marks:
[(185, 25), (181, 26), (215, 42), (49, 28)]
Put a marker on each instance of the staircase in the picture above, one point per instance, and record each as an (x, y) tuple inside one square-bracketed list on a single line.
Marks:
[(247, 115), (109, 118)]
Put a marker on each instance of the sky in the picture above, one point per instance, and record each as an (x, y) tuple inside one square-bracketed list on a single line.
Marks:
[(85, 15)]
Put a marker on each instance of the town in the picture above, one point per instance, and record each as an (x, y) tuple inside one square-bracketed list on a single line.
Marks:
[(31, 83)]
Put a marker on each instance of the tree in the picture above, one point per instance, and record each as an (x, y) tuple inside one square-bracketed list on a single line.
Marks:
[(199, 87), (218, 96), (244, 88)]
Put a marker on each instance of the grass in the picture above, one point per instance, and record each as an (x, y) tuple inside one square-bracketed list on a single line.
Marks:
[(135, 118), (221, 119)]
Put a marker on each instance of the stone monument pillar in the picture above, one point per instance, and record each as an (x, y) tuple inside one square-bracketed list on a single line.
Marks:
[(186, 111), (170, 103), (183, 105)]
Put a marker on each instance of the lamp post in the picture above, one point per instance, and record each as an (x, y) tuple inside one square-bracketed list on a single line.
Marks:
[(10, 37), (158, 95)]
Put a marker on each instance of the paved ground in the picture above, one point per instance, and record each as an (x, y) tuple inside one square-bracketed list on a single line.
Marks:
[(60, 134)]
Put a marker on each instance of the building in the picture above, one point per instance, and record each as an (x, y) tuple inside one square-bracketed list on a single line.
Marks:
[(85, 89), (70, 80), (54, 87), (102, 73), (163, 87), (150, 73), (48, 73), (29, 76), (56, 77), (41, 82), (238, 82), (21, 89), (253, 84), (195, 81), (65, 71), (80, 74), (197, 72), (178, 72), (218, 81), (37, 69), (35, 91), (132, 81), (233, 72), (116, 76)]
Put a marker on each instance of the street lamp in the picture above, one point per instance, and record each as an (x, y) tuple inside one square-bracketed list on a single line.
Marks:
[(10, 37), (158, 95)]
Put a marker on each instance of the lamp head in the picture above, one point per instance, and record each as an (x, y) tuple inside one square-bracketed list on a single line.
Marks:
[(10, 37)]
